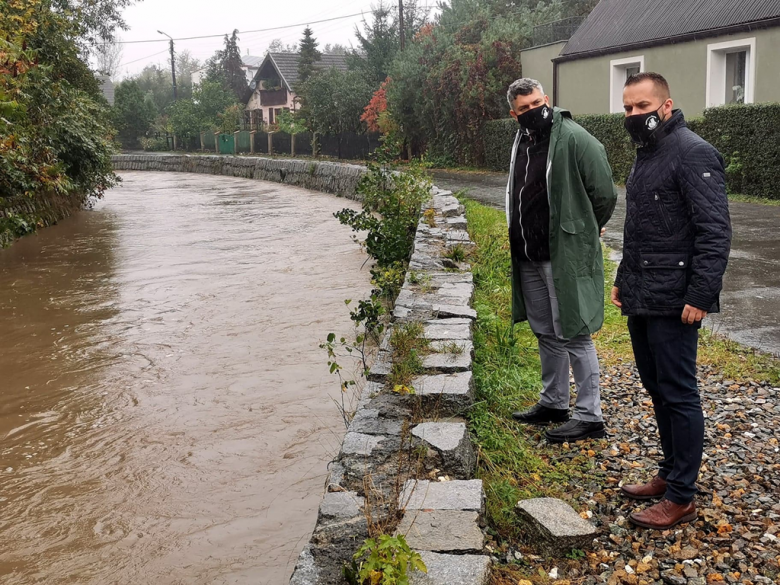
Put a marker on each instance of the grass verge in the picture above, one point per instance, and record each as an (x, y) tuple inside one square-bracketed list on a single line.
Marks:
[(512, 463), (755, 200)]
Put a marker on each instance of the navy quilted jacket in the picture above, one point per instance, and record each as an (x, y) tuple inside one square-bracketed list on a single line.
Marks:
[(678, 232)]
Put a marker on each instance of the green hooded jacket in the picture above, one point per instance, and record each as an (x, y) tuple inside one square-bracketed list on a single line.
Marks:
[(582, 198)]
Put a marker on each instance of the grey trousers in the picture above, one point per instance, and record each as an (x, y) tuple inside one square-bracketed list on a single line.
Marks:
[(557, 353)]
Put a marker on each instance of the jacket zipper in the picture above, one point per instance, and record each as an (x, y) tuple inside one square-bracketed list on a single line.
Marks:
[(662, 212), (510, 187), (520, 200)]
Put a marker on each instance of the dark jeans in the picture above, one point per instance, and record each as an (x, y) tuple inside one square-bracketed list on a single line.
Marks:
[(665, 353)]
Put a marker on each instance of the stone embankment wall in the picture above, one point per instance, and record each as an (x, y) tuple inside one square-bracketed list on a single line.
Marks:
[(440, 506), (336, 178), (405, 455), (37, 212)]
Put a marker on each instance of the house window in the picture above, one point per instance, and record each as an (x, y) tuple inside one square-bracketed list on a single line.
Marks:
[(632, 71), (731, 72), (620, 71)]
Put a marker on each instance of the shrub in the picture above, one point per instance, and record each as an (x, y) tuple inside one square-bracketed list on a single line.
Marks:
[(391, 210), (609, 130), (499, 137), (158, 144), (748, 137)]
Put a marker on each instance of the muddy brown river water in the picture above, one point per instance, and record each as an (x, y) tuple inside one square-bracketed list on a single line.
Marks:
[(165, 410)]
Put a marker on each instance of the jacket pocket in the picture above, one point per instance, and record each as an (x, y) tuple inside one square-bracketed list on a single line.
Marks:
[(664, 279), (573, 226)]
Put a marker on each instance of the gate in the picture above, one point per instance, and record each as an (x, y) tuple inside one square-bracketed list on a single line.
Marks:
[(226, 145)]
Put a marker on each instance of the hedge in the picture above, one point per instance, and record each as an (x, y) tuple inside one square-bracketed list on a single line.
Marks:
[(748, 137)]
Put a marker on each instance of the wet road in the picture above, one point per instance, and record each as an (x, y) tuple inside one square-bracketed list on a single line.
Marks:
[(165, 410), (750, 302)]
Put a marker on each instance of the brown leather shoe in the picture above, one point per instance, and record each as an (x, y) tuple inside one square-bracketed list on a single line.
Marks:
[(664, 515), (655, 488)]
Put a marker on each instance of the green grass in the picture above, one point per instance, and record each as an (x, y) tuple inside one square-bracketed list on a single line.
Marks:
[(409, 346), (755, 200), (507, 376)]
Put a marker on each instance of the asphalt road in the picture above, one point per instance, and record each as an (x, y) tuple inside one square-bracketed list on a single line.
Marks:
[(750, 303)]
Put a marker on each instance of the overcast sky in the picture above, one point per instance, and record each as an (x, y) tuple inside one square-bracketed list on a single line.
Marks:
[(188, 18)]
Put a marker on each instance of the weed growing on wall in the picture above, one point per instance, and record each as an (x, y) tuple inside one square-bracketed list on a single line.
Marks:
[(392, 202)]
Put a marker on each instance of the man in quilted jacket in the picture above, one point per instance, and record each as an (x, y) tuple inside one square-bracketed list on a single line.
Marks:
[(675, 250)]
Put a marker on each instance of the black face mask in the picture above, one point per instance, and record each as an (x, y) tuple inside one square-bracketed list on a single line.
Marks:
[(537, 120), (642, 127)]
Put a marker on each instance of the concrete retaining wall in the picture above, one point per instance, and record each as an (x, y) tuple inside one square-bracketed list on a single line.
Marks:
[(405, 455)]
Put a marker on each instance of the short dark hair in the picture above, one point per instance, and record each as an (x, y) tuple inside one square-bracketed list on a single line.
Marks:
[(659, 81)]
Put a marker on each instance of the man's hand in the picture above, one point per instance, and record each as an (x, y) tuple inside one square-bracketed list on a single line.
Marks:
[(603, 231), (616, 297), (691, 314)]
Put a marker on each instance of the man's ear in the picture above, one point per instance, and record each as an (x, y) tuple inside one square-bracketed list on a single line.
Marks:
[(546, 100), (512, 113), (668, 107)]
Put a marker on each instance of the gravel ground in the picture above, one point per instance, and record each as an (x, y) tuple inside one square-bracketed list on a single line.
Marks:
[(737, 536)]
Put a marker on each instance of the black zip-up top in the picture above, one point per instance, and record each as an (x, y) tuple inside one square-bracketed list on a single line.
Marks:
[(678, 232), (529, 233)]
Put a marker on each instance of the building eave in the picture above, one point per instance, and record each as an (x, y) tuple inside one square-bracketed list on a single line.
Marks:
[(686, 38)]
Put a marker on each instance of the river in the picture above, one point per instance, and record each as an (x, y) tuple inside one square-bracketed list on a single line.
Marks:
[(166, 414)]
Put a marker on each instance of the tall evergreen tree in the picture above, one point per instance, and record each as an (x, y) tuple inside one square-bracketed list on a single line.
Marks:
[(309, 55), (226, 66), (233, 66), (379, 41)]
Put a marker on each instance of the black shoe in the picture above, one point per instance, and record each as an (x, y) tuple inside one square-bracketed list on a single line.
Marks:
[(539, 414), (576, 430)]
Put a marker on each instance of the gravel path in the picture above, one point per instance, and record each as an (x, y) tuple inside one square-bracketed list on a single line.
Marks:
[(737, 536)]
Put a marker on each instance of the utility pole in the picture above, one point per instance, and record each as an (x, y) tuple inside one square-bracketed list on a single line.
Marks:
[(173, 65), (401, 21)]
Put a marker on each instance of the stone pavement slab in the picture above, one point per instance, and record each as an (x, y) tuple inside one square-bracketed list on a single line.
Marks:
[(442, 531), (443, 495), (452, 570), (555, 527)]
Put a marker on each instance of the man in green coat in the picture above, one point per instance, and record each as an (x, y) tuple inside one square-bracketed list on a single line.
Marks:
[(559, 197)]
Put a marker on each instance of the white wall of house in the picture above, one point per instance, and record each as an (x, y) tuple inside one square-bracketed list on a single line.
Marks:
[(739, 68), (255, 103)]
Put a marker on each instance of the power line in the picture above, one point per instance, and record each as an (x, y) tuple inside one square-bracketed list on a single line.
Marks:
[(239, 32), (142, 58)]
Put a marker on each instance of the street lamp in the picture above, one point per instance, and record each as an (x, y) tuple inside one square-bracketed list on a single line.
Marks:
[(173, 64)]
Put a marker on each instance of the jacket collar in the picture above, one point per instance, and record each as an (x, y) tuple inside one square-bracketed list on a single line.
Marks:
[(669, 127)]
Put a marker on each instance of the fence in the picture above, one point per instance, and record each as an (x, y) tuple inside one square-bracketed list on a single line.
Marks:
[(345, 146), (558, 30)]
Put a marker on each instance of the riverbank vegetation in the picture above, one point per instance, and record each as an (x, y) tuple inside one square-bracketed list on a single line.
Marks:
[(55, 130)]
